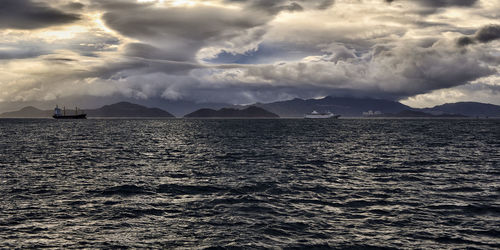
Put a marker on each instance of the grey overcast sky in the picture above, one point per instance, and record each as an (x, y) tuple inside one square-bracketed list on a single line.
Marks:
[(421, 52)]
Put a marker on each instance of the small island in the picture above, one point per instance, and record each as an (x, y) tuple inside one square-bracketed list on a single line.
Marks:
[(250, 112)]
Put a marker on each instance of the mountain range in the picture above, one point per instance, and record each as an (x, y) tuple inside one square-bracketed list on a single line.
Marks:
[(415, 114), (345, 106), (121, 109), (466, 108), (355, 107), (249, 112)]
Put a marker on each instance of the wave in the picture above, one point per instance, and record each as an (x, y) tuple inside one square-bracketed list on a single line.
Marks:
[(124, 190)]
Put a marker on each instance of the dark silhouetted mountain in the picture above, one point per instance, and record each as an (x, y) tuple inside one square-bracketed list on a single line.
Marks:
[(466, 108), (250, 112), (179, 108), (345, 106), (27, 112), (414, 113), (121, 109), (127, 109)]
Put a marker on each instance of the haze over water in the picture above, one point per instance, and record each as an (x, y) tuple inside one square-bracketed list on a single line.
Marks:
[(250, 183)]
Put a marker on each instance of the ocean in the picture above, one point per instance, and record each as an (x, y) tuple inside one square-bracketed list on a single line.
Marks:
[(271, 183)]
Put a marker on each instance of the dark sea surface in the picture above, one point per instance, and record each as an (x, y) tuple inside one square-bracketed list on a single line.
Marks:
[(285, 183)]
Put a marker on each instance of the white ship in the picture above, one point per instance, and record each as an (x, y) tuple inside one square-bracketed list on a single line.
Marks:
[(316, 115)]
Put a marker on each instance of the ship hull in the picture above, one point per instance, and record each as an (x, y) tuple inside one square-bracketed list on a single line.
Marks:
[(81, 116)]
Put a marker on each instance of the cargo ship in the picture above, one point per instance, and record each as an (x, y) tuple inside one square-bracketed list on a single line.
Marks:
[(318, 115), (61, 114)]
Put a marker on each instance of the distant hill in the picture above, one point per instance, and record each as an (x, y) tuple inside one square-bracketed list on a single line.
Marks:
[(345, 106), (466, 108), (250, 112), (355, 107), (180, 108), (27, 112), (121, 109), (127, 109), (413, 113)]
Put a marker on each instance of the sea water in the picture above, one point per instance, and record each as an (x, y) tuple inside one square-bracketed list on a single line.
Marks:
[(286, 183)]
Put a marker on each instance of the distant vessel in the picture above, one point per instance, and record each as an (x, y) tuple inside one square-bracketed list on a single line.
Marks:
[(316, 115), (62, 115)]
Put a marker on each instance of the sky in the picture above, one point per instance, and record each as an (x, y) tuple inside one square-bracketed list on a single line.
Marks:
[(420, 52)]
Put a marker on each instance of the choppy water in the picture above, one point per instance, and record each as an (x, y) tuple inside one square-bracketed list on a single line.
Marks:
[(250, 183)]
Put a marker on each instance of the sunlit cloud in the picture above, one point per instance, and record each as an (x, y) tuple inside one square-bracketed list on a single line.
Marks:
[(243, 51)]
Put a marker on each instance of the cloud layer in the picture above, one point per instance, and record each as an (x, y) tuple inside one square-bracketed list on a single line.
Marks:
[(27, 14), (242, 51)]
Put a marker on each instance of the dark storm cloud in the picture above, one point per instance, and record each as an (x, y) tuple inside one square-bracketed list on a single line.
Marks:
[(465, 40), (115, 4), (484, 35), (442, 3), (488, 33), (293, 7), (143, 50), (74, 6), (179, 33), (268, 53), (171, 37), (429, 7), (272, 6), (325, 4), (246, 51), (447, 3), (138, 67), (21, 53), (285, 5), (183, 31), (27, 14), (191, 24), (59, 59), (385, 72)]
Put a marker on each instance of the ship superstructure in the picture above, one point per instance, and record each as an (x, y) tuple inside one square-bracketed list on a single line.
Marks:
[(318, 115), (61, 114)]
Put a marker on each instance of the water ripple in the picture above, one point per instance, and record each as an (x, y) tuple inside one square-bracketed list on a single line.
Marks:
[(219, 184)]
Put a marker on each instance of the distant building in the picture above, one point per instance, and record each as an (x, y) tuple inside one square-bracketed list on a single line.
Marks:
[(372, 113)]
